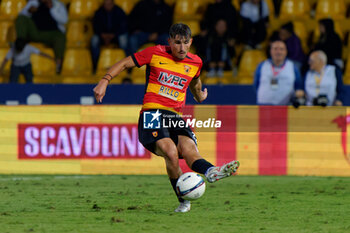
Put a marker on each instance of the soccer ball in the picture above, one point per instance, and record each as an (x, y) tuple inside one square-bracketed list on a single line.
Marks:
[(190, 186)]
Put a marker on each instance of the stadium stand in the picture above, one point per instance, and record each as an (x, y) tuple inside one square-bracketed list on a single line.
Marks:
[(295, 9), (109, 57), (9, 9), (193, 24), (138, 75), (7, 33), (301, 32), (82, 9), (170, 2), (337, 29), (228, 78), (237, 5), (6, 72), (43, 66), (89, 79), (77, 62), (79, 33), (249, 61), (346, 76), (126, 5), (187, 10), (334, 9)]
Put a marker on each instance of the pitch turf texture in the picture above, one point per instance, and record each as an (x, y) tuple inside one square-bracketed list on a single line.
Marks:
[(146, 204)]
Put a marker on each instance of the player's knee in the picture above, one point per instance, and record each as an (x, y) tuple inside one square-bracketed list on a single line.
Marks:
[(168, 151), (188, 150), (171, 155)]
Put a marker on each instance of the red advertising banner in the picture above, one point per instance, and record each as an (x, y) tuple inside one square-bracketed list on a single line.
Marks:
[(267, 140), (80, 141)]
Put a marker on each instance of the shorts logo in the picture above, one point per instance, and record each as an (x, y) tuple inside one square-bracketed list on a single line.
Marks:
[(151, 119), (155, 133), (194, 138), (187, 68)]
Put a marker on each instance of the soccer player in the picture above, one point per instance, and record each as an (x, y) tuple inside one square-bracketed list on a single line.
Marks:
[(170, 71)]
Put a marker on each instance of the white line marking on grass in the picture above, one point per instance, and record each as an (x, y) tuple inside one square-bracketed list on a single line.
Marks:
[(21, 178), (24, 178)]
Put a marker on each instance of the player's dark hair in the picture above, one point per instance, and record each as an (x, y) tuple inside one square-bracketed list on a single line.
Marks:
[(20, 44), (180, 29)]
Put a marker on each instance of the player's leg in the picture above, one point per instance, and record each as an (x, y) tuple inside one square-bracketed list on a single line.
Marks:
[(188, 149), (158, 141), (166, 148)]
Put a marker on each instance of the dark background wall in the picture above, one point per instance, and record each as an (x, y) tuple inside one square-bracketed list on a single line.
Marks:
[(125, 94)]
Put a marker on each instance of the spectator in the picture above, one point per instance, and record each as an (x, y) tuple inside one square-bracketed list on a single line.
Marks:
[(277, 79), (220, 50), (294, 48), (126, 81), (255, 16), (44, 24), (20, 54), (200, 43), (149, 21), (110, 27), (222, 9), (323, 83), (330, 43)]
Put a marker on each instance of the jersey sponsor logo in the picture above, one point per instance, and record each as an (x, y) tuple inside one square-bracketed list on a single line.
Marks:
[(187, 68), (168, 92), (79, 141), (162, 63), (151, 119), (172, 80)]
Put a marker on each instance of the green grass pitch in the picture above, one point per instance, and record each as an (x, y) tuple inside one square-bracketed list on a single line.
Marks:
[(120, 203)]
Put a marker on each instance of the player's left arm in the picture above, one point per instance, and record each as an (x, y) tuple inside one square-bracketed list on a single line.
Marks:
[(196, 90)]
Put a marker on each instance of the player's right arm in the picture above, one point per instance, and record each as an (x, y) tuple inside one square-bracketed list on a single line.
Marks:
[(115, 70)]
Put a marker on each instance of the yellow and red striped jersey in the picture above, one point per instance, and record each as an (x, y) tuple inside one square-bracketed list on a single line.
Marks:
[(167, 78)]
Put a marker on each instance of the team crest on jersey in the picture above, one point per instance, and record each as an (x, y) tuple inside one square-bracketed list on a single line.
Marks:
[(187, 68), (155, 133)]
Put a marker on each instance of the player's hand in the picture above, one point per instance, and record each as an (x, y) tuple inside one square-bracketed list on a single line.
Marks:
[(202, 95), (100, 90)]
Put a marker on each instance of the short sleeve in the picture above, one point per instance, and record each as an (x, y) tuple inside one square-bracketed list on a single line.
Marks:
[(33, 49), (199, 71), (143, 57), (9, 54)]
